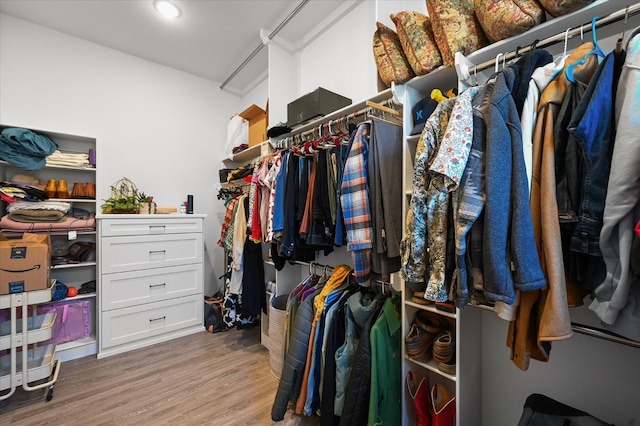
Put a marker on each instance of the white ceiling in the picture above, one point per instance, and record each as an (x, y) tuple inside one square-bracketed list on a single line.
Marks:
[(211, 38)]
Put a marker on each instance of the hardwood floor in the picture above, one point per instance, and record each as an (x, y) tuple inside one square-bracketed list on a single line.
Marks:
[(203, 379)]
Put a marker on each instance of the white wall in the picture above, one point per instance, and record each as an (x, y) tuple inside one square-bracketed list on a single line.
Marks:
[(258, 95), (160, 127), (341, 59), (593, 375)]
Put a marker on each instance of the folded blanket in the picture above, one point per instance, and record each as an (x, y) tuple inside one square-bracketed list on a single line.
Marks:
[(68, 159), (60, 206), (28, 216), (69, 224)]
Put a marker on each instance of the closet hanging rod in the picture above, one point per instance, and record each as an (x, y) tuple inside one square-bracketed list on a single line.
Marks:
[(603, 334), (614, 17), (327, 122), (330, 268), (259, 48), (586, 330)]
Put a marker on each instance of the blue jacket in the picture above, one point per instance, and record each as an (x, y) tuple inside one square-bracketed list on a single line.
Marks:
[(510, 259)]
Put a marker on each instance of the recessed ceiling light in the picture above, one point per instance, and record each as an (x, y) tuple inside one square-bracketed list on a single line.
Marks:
[(166, 8)]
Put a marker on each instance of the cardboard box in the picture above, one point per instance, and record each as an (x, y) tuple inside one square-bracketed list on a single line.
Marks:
[(257, 118), (315, 104), (24, 263)]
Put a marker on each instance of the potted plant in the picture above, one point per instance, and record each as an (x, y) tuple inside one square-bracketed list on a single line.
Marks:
[(124, 198), (146, 204)]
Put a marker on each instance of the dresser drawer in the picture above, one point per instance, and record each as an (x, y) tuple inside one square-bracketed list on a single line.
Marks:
[(139, 322), (123, 254), (125, 289), (150, 226)]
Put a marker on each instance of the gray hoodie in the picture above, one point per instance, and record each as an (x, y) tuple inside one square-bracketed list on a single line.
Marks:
[(618, 297)]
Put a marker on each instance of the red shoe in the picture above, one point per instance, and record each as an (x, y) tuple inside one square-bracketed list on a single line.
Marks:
[(418, 388), (442, 406)]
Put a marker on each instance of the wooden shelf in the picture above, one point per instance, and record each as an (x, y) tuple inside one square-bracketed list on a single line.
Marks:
[(248, 154)]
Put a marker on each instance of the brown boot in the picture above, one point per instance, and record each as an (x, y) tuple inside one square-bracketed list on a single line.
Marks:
[(418, 388)]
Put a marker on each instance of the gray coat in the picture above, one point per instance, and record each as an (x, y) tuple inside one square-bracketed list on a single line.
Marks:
[(621, 289), (293, 368)]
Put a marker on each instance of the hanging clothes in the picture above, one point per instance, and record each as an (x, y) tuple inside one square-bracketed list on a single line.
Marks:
[(508, 231), (360, 306), (355, 205), (239, 237), (357, 394), (294, 364), (385, 197), (617, 298), (415, 241), (468, 206), (254, 294), (445, 172), (340, 273), (544, 312), (386, 368)]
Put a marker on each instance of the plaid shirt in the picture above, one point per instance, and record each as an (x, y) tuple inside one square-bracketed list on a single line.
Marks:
[(228, 214), (355, 205)]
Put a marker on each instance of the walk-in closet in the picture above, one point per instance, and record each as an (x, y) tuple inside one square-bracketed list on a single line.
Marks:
[(319, 212)]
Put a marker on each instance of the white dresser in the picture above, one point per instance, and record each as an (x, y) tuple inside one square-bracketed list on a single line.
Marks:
[(150, 279)]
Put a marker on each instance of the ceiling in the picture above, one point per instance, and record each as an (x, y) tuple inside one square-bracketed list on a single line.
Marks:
[(210, 39)]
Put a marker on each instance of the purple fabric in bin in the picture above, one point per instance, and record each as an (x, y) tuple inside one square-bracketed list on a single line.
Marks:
[(73, 320)]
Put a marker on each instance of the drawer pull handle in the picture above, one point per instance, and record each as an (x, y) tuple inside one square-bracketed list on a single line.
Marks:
[(157, 227), (157, 285), (156, 251), (157, 319)]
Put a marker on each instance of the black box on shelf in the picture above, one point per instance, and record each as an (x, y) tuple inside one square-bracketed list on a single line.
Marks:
[(315, 104)]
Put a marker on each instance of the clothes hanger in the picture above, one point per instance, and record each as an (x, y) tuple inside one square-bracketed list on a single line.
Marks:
[(383, 108), (497, 61), (621, 38), (596, 51)]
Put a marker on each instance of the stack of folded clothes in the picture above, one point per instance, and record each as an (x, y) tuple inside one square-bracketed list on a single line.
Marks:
[(68, 159), (41, 211), (11, 192)]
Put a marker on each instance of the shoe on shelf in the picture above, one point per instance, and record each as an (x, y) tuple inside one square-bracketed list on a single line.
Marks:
[(448, 367), (429, 322), (418, 342), (447, 306), (62, 191), (443, 347), (442, 406), (418, 388)]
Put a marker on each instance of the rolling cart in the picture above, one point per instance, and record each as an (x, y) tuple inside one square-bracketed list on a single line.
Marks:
[(26, 362)]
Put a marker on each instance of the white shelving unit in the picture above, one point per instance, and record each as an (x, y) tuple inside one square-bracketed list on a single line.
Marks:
[(72, 274), (32, 363)]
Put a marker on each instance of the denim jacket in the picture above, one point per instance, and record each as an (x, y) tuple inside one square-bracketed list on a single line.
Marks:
[(591, 125), (510, 260)]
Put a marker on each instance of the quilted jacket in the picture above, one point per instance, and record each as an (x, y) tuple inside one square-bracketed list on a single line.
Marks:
[(293, 368), (356, 404)]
